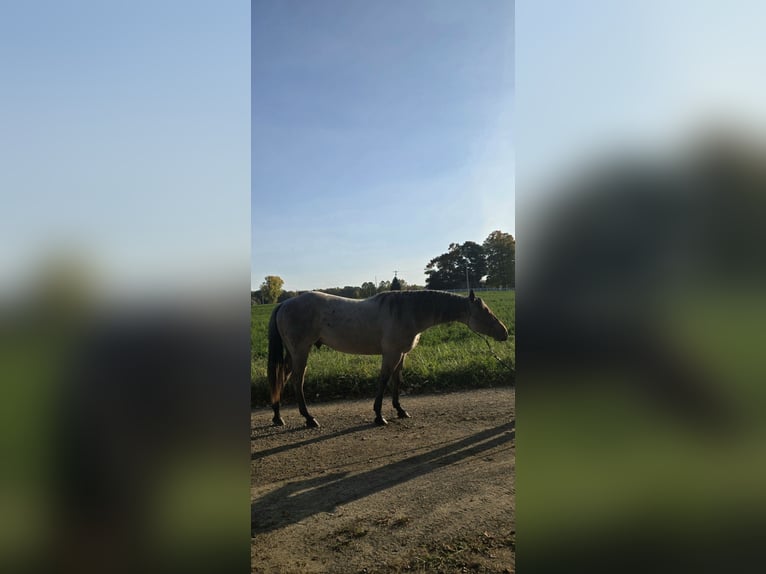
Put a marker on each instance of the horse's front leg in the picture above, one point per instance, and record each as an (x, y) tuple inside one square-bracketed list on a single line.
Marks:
[(398, 379), (390, 362)]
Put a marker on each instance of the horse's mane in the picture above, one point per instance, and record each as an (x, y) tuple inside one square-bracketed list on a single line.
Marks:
[(423, 305)]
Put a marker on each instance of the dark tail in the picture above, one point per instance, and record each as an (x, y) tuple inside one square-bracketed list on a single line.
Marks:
[(278, 366)]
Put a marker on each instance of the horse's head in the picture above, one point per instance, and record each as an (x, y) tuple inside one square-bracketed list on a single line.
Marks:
[(482, 320)]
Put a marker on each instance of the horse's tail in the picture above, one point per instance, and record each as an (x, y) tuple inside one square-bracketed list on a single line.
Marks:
[(278, 365)]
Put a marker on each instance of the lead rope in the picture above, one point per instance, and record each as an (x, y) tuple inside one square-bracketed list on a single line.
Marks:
[(492, 352)]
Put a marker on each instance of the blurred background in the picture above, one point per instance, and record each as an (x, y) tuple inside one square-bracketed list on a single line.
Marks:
[(124, 286), (640, 289)]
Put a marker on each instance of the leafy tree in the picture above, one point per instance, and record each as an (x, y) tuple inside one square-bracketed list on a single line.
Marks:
[(351, 292), (443, 272), (396, 285), (368, 289), (448, 270), (384, 286), (500, 249), (475, 260), (271, 288)]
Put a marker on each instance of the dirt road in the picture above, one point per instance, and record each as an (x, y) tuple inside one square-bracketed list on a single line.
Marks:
[(434, 493)]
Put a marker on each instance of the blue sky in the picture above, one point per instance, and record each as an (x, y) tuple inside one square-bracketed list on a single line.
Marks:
[(126, 138), (381, 133), (594, 75), (596, 78)]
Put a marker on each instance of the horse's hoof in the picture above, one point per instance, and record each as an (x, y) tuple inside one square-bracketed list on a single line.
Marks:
[(312, 423), (380, 421), (403, 414), (279, 422)]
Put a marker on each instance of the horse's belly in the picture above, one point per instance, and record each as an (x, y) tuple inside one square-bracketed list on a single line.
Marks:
[(360, 346), (355, 347)]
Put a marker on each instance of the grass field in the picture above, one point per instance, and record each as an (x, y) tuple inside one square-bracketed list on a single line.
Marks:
[(448, 357)]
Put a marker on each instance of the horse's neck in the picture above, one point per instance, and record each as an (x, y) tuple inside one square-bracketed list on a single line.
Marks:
[(450, 309)]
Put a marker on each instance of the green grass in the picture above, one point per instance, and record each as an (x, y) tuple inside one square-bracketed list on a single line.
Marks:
[(448, 357)]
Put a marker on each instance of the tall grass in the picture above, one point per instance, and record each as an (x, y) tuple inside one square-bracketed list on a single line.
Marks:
[(448, 357)]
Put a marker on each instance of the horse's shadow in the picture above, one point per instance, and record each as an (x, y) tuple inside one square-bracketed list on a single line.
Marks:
[(302, 499), (316, 439)]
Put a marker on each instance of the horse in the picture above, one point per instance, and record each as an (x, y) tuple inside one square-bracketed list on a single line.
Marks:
[(387, 324)]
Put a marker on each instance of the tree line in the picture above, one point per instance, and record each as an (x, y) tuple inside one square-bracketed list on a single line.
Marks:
[(489, 264), (271, 290)]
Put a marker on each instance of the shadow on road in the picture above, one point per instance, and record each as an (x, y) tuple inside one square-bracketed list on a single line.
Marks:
[(321, 438), (299, 500)]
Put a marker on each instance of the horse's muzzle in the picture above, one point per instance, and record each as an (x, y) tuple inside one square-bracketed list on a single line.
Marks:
[(502, 335)]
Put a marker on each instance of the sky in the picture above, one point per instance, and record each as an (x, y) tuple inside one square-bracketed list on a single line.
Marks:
[(594, 75), (597, 78), (381, 133), (125, 139), (341, 140)]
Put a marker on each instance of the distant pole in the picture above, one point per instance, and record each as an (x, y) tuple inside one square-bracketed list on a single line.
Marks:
[(467, 285)]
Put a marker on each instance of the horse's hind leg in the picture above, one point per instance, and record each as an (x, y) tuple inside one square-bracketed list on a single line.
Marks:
[(277, 420), (299, 370), (397, 380)]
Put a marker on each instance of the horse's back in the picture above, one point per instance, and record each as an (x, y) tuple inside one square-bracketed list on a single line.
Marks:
[(315, 304), (346, 325)]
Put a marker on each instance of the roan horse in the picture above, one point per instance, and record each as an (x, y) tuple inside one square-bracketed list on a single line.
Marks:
[(387, 324)]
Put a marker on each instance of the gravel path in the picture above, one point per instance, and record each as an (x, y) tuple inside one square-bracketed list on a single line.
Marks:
[(434, 493)]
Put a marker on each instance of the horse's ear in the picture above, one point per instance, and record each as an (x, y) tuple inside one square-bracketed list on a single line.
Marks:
[(471, 296)]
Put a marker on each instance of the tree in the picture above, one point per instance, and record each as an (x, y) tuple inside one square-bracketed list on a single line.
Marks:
[(368, 289), (444, 271), (448, 270), (351, 292), (384, 286), (475, 261), (395, 285), (271, 288), (500, 250)]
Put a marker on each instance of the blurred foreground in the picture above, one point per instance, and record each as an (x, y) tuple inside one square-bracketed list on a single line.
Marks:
[(640, 321), (124, 432)]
